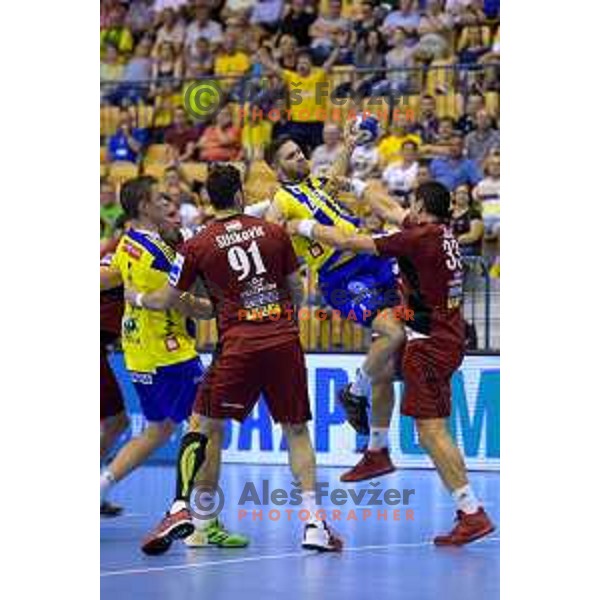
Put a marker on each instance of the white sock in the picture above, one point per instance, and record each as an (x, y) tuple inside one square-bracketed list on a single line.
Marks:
[(309, 503), (361, 385), (378, 438), (466, 499), (204, 499), (177, 506), (107, 480)]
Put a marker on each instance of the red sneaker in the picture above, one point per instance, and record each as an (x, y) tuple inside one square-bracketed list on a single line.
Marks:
[(173, 527), (374, 463), (468, 528)]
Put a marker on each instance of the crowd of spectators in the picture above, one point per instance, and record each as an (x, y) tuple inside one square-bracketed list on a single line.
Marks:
[(263, 51)]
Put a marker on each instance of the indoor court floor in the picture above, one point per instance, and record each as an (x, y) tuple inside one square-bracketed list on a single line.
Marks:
[(383, 559)]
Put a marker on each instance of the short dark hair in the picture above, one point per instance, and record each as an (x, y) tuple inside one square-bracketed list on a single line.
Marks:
[(304, 52), (134, 192), (222, 184), (274, 147), (436, 199)]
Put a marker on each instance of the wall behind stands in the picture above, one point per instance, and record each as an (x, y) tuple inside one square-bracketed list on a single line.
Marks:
[(475, 421)]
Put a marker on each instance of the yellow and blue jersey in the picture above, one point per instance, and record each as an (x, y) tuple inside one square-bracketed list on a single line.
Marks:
[(309, 200), (150, 339)]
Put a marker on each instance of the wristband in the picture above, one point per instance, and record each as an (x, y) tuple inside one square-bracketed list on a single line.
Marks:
[(138, 300), (357, 186), (306, 227)]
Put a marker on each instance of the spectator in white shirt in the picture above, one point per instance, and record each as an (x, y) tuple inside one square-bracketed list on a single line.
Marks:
[(203, 27), (267, 13), (400, 176), (172, 31), (406, 18), (326, 154), (325, 29)]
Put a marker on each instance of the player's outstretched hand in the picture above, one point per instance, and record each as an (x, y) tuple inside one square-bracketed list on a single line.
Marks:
[(130, 295), (292, 226)]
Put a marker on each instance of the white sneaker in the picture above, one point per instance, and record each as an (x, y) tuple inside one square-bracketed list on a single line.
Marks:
[(198, 539), (320, 537)]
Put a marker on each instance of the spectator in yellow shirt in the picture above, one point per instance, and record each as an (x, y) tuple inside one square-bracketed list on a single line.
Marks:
[(390, 146), (230, 63)]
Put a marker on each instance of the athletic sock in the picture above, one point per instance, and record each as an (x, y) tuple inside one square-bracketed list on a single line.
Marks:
[(107, 480), (378, 438), (361, 384), (191, 456), (466, 500), (309, 503), (204, 504)]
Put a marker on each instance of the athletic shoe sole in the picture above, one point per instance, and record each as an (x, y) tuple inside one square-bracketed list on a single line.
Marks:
[(160, 545)]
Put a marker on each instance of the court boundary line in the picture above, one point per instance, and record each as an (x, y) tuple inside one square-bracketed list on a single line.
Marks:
[(246, 559)]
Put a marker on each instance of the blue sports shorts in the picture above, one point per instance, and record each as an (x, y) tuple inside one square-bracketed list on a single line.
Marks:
[(170, 392), (361, 287)]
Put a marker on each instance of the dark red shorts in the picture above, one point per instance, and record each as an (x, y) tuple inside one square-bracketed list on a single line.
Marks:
[(235, 380), (427, 368), (111, 400)]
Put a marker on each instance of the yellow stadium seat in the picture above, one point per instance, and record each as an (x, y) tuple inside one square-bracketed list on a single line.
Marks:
[(103, 170), (103, 155), (194, 170), (155, 169), (109, 120), (440, 77), (144, 116), (119, 172), (492, 103), (448, 105), (157, 153)]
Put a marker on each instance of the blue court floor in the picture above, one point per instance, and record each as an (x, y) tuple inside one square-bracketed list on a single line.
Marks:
[(382, 559)]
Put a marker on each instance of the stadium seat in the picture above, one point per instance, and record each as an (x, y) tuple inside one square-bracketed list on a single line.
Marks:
[(144, 116), (155, 169), (156, 153), (440, 78), (103, 155), (194, 171), (448, 105), (119, 172), (109, 120), (492, 103)]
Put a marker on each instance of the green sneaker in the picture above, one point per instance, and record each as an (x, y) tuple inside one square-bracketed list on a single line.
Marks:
[(217, 535)]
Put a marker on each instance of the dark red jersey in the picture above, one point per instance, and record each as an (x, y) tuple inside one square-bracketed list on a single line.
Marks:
[(243, 263), (429, 258)]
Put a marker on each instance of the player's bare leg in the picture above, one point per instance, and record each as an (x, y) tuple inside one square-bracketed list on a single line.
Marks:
[(317, 534), (376, 460), (111, 429), (354, 398), (472, 521), (134, 453)]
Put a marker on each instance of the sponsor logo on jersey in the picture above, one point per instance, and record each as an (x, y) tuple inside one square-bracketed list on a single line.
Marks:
[(132, 250), (229, 239), (175, 272)]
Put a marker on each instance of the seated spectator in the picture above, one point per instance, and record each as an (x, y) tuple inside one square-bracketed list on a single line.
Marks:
[(442, 141), (400, 175), (110, 208), (111, 71), (428, 124), (472, 44), (435, 28), (480, 142), (365, 20), (327, 153), (181, 137), (138, 71), (166, 72), (221, 141), (491, 64), (297, 22), (454, 169), (140, 18), (267, 14), (405, 18), (391, 145), (345, 51), (203, 27), (369, 54), (487, 193), (402, 56), (230, 62), (324, 30), (128, 141), (466, 222), (172, 31), (467, 122), (200, 59), (423, 173), (117, 33), (465, 12)]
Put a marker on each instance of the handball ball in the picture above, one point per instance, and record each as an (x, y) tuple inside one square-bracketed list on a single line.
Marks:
[(367, 127)]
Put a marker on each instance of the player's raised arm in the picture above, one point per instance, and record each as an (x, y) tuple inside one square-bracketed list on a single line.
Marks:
[(170, 297), (380, 201), (332, 236)]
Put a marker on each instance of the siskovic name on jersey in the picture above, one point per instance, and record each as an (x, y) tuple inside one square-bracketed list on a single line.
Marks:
[(242, 236)]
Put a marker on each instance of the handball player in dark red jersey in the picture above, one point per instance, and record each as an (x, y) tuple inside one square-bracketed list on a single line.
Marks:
[(250, 272), (429, 258)]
